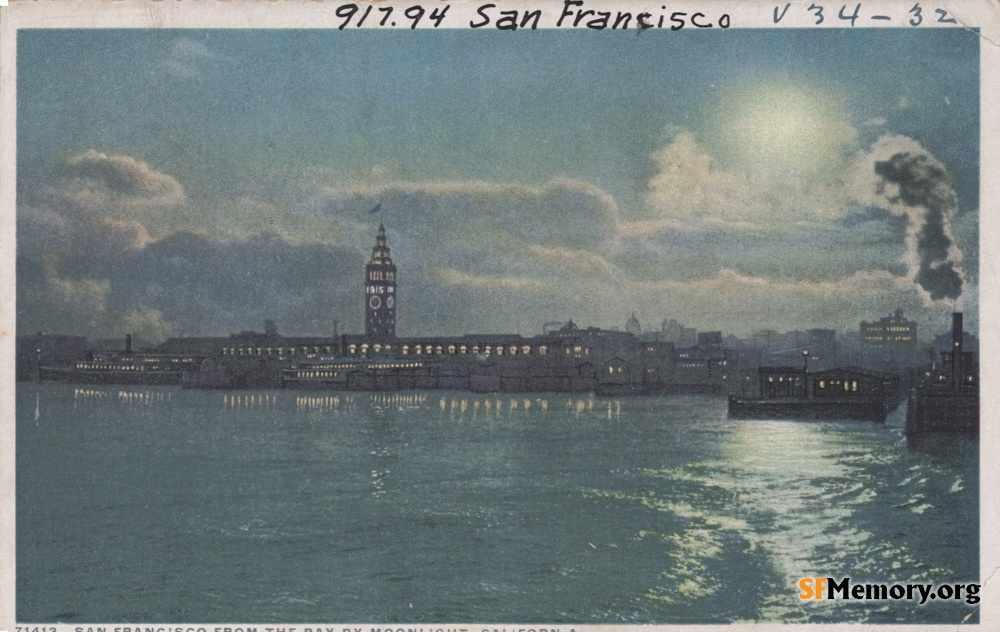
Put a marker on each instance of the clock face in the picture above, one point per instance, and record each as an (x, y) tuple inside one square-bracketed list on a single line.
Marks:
[(389, 302), (375, 302)]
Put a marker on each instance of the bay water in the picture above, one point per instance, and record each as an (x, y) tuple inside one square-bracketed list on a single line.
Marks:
[(159, 504)]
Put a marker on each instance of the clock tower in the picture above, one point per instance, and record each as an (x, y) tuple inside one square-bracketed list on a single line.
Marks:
[(380, 291)]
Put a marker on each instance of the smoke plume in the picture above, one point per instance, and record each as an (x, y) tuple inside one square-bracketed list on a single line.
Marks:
[(912, 183)]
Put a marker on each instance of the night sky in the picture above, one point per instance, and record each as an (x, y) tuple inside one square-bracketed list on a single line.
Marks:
[(197, 182)]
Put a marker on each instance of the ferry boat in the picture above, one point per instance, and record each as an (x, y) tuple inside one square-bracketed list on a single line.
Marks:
[(123, 369)]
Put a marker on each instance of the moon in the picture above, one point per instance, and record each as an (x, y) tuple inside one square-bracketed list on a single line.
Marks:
[(780, 128)]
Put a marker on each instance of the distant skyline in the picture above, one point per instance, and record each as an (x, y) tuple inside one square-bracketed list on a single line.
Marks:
[(198, 182)]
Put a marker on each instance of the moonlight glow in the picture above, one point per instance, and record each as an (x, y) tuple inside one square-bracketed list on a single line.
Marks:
[(779, 128)]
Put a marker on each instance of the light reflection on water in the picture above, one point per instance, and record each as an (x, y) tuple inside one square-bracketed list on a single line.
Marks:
[(494, 507)]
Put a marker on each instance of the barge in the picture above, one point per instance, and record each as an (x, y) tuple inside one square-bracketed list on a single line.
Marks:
[(843, 393)]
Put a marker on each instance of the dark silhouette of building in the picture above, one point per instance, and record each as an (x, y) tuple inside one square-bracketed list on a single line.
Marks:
[(565, 357), (633, 327), (710, 339), (380, 292), (678, 334)]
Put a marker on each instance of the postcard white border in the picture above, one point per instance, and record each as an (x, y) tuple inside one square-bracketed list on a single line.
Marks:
[(273, 14)]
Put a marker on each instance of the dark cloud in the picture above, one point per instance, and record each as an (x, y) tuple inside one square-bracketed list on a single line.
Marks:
[(919, 182), (209, 286), (196, 286)]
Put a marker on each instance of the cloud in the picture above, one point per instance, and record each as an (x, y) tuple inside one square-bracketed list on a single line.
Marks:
[(561, 211), (740, 303), (148, 324), (97, 179), (568, 259), (84, 298), (712, 247), (99, 191), (450, 276), (689, 185)]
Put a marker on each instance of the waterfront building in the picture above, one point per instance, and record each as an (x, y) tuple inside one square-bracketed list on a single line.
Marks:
[(890, 332), (565, 357), (380, 291)]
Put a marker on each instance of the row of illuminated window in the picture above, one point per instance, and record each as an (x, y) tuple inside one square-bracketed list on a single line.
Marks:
[(890, 338), (278, 351), (881, 329), (111, 367), (365, 348), (452, 349), (849, 385), (792, 380), (315, 374), (396, 365), (968, 378), (381, 275)]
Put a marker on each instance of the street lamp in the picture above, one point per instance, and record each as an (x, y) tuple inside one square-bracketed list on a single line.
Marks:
[(805, 372)]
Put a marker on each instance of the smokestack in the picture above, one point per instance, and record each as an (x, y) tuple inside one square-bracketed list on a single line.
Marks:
[(128, 344), (956, 333), (335, 323)]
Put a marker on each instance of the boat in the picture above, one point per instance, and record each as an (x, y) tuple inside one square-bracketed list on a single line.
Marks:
[(841, 393), (947, 399), (116, 368)]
